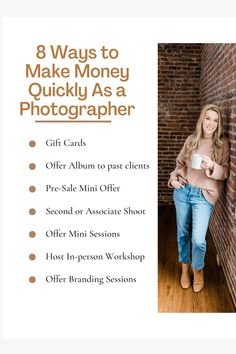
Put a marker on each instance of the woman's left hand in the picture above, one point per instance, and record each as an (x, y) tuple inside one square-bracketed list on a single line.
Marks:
[(207, 163)]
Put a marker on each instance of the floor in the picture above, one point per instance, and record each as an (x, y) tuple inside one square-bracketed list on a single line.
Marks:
[(215, 296)]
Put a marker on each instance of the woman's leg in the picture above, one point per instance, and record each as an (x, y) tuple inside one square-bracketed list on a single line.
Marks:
[(183, 219), (201, 213)]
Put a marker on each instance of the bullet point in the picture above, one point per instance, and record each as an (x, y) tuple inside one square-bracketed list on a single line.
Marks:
[(32, 189), (32, 211), (32, 279), (32, 234), (32, 257), (32, 143), (32, 166)]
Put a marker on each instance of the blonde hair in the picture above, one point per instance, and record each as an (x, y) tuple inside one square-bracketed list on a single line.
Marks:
[(217, 139)]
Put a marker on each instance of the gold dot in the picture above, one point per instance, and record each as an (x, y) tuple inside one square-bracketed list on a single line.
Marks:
[(32, 279), (32, 166), (32, 189), (32, 211), (32, 234), (32, 143), (32, 257)]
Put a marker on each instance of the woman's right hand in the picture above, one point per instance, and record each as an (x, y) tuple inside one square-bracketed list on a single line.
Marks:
[(177, 184)]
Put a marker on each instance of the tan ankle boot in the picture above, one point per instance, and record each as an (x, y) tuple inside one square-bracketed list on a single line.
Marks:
[(198, 280), (185, 280)]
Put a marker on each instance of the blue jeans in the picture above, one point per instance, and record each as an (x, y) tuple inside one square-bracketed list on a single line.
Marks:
[(193, 213)]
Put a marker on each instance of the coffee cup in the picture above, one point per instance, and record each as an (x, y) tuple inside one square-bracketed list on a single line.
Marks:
[(196, 161)]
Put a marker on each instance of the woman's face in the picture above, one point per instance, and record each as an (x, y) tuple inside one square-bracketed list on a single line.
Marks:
[(210, 123)]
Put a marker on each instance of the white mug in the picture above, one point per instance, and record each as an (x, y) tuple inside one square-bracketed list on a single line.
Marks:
[(196, 161)]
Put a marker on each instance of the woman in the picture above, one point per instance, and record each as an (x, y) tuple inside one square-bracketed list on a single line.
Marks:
[(196, 191)]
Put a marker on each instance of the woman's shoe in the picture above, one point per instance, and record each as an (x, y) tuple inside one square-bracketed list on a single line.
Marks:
[(198, 280), (185, 280)]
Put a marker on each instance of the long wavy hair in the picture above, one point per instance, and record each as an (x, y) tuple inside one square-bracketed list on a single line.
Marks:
[(217, 139)]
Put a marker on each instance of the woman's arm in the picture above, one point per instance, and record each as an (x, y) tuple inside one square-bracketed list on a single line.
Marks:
[(180, 162), (220, 171)]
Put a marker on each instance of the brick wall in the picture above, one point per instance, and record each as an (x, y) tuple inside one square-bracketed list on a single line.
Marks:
[(189, 76), (179, 70), (218, 85)]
